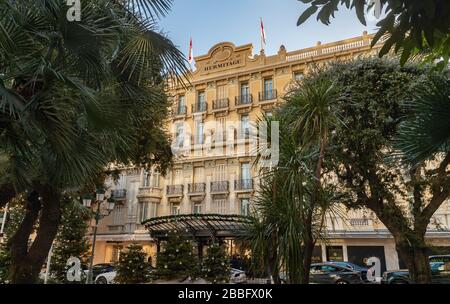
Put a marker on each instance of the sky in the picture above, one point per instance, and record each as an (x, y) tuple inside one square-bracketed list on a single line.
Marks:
[(238, 21)]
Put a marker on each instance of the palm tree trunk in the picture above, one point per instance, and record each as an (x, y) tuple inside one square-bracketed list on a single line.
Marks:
[(308, 239), (26, 262)]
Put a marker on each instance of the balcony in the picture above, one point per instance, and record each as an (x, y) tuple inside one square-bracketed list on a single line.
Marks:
[(180, 111), (196, 189), (221, 105), (222, 187), (150, 193), (244, 101), (175, 191), (199, 107), (268, 96), (119, 194), (243, 185)]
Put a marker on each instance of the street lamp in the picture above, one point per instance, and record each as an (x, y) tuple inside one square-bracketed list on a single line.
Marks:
[(98, 215)]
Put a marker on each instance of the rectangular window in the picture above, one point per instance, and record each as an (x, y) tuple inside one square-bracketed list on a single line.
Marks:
[(268, 86), (118, 215), (199, 130), (221, 124), (116, 250), (179, 136), (220, 206), (156, 179), (245, 206), (298, 76), (176, 177), (147, 178), (199, 176), (201, 97), (245, 171), (222, 92), (181, 104), (147, 210), (143, 212), (245, 93), (197, 209), (220, 174), (245, 126), (175, 209)]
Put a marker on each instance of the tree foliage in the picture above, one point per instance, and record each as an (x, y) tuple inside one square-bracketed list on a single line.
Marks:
[(16, 212), (71, 240), (216, 265), (178, 259), (410, 25), (372, 98), (133, 267), (75, 97)]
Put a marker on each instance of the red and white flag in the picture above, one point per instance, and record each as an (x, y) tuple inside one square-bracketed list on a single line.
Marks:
[(191, 52), (263, 35)]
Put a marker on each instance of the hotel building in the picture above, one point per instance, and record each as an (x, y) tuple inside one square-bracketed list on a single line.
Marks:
[(211, 123)]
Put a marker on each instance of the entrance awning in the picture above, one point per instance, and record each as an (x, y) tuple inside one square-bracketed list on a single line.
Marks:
[(198, 225)]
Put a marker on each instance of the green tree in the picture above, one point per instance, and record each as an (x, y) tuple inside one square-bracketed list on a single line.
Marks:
[(71, 240), (76, 96), (216, 265), (16, 213), (371, 103), (411, 25), (292, 201), (177, 260), (426, 130), (133, 267)]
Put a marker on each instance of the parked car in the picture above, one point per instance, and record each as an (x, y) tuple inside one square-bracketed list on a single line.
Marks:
[(362, 269), (440, 272), (331, 273), (238, 276), (103, 273)]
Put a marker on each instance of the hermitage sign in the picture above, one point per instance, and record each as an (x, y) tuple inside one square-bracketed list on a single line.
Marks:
[(222, 57)]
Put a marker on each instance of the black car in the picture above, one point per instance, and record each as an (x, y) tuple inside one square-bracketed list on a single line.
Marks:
[(440, 272), (363, 270), (329, 273)]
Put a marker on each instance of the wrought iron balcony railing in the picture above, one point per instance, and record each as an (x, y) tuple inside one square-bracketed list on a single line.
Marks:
[(180, 110), (175, 190), (119, 194), (197, 188), (221, 104), (244, 99), (218, 187), (268, 95), (243, 184), (199, 107)]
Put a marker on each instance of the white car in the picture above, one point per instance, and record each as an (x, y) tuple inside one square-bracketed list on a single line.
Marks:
[(106, 278), (238, 276), (103, 273)]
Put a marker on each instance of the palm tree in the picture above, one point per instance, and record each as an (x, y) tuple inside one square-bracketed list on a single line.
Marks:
[(287, 220), (75, 96), (425, 131), (310, 115)]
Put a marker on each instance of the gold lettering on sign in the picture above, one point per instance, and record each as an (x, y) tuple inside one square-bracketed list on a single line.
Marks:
[(222, 65)]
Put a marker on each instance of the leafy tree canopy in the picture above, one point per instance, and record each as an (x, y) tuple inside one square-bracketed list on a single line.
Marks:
[(411, 25)]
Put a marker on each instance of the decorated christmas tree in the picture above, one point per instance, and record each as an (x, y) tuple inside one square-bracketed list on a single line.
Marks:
[(216, 266), (133, 267), (178, 259), (71, 240)]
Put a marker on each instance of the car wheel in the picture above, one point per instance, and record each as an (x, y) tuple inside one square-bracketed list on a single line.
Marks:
[(101, 280), (341, 282)]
